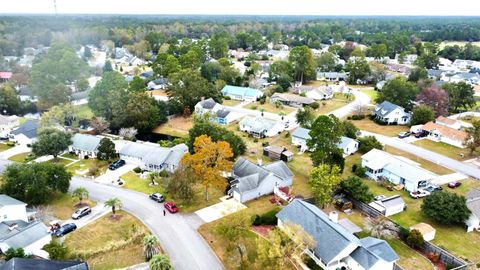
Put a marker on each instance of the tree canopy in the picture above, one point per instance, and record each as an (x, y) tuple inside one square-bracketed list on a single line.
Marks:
[(398, 91), (51, 141), (445, 208)]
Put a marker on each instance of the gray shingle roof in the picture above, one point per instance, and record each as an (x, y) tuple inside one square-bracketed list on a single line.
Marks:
[(301, 133), (29, 129), (473, 201), (23, 235), (344, 141), (292, 98), (223, 113), (208, 103), (85, 142), (153, 154), (7, 200), (379, 248), (41, 264), (384, 108)]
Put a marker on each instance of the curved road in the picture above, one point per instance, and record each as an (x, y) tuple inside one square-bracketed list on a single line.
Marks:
[(177, 233), (360, 99)]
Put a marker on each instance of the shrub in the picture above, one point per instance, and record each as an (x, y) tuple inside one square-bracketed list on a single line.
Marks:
[(415, 239), (10, 143), (354, 188), (227, 97), (255, 140), (314, 105), (357, 117), (403, 233), (267, 218), (254, 107), (354, 167), (137, 170), (14, 253), (446, 208), (93, 170), (163, 174), (56, 250), (360, 172), (265, 144), (287, 135)]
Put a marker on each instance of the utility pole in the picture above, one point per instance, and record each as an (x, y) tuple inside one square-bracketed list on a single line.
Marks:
[(55, 6)]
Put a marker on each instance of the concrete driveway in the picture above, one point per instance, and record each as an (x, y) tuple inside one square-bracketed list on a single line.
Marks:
[(110, 175), (176, 232), (98, 211), (360, 99), (219, 210), (18, 149)]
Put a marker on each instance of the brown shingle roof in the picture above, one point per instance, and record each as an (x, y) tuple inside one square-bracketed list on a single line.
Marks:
[(446, 120), (445, 131)]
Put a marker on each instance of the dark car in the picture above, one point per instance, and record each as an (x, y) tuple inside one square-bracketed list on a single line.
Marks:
[(117, 164), (65, 229), (432, 188), (81, 212), (404, 134), (454, 184), (157, 197), (171, 207), (421, 134)]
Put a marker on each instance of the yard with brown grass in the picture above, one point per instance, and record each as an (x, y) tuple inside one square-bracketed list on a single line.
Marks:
[(389, 130), (269, 107), (339, 100), (176, 127), (63, 205), (444, 149), (4, 146)]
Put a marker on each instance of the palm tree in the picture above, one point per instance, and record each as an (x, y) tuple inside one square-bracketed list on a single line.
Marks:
[(81, 193), (150, 246), (160, 262), (114, 203), (282, 114)]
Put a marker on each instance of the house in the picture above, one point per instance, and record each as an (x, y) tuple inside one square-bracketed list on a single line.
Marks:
[(7, 123), (152, 157), (84, 145), (157, 84), (451, 123), (427, 231), (18, 231), (251, 180), (320, 93), (278, 153), (348, 145), (207, 106), (226, 116), (396, 169), (41, 264), (301, 135), (435, 74), (260, 127), (336, 247), (398, 68), (391, 113), (408, 59), (389, 206), (473, 204), (26, 133), (241, 93), (219, 114), (331, 76), (5, 76), (442, 133), (291, 100), (466, 64)]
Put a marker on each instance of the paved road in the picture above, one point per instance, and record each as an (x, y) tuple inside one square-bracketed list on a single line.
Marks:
[(177, 233), (444, 161), (360, 99)]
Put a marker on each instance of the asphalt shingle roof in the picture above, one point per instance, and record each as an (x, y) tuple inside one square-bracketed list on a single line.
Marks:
[(301, 133), (85, 142), (385, 108), (23, 235), (7, 200), (29, 129), (41, 264)]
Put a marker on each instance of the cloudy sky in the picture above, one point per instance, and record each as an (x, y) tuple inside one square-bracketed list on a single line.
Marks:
[(249, 7)]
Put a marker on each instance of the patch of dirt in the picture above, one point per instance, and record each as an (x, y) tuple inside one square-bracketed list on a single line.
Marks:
[(79, 205), (115, 217), (263, 229)]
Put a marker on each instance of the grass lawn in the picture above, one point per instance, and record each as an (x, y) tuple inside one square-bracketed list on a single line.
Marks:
[(269, 107), (230, 102), (444, 149), (372, 93), (318, 83), (134, 182), (63, 205), (176, 127), (86, 164), (339, 100), (111, 243), (60, 160), (433, 167), (369, 125), (70, 156), (4, 146), (84, 112), (22, 157)]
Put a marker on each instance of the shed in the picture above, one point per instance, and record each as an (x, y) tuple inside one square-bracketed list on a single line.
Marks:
[(389, 206), (427, 231), (278, 153)]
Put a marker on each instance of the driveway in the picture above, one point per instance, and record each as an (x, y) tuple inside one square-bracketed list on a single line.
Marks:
[(18, 149), (360, 99), (178, 236), (110, 175), (219, 210), (98, 211)]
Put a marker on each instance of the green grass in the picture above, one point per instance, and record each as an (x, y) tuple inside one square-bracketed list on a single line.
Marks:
[(86, 164), (4, 146), (433, 167), (409, 258), (111, 243), (444, 149), (70, 156), (268, 107), (134, 182), (369, 125), (84, 112), (230, 102), (22, 157), (372, 93), (60, 160), (63, 205), (339, 100)]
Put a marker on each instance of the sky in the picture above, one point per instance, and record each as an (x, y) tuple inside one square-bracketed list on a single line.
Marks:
[(248, 7)]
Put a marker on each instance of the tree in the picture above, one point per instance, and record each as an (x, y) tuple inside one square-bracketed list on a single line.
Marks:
[(301, 59), (35, 183), (398, 91), (57, 250), (368, 143), (428, 61), (472, 141), (445, 208), (208, 162), (377, 51), (137, 85), (323, 181), (436, 98), (114, 204), (461, 96), (415, 239), (233, 230), (160, 262), (359, 70), (218, 46), (60, 115), (128, 133), (15, 253), (354, 188), (326, 62), (281, 69), (211, 70), (142, 112), (99, 125), (106, 149), (418, 74), (422, 114), (181, 183), (190, 60), (87, 53), (350, 130), (81, 193), (324, 139), (107, 67), (51, 141), (305, 117), (9, 101), (151, 246)]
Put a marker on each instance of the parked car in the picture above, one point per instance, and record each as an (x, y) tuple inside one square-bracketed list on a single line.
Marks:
[(157, 197), (404, 134), (65, 229), (117, 164), (171, 207), (81, 212), (454, 184), (432, 188), (419, 194), (421, 134), (380, 197)]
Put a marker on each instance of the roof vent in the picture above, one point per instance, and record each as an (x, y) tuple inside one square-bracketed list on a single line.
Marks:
[(13, 226), (333, 216)]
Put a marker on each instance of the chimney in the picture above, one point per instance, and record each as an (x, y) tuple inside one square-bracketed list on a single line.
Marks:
[(259, 162), (12, 226), (333, 216)]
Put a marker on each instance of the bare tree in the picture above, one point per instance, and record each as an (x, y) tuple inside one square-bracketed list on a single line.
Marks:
[(128, 133), (381, 227)]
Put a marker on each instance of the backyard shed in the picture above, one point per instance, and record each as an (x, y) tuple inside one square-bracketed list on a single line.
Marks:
[(427, 231)]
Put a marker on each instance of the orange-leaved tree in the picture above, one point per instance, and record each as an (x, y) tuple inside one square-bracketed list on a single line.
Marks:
[(208, 162)]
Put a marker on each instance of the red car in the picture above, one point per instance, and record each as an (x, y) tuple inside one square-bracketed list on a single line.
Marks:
[(454, 184), (171, 207)]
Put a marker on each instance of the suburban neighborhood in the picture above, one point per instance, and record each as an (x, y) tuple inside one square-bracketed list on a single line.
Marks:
[(239, 142)]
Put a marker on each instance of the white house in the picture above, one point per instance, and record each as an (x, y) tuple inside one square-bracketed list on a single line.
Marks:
[(260, 127), (17, 230), (157, 84), (348, 145), (396, 169), (389, 206), (252, 180), (473, 204), (152, 157), (84, 145), (207, 106), (291, 100), (442, 133), (26, 133), (336, 247), (241, 93), (391, 113), (320, 93), (219, 114), (301, 135), (7, 123)]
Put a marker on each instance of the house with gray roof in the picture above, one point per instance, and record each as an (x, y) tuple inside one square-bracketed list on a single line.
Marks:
[(26, 133), (391, 113), (332, 76), (84, 145), (301, 135), (41, 264), (291, 100), (261, 127), (152, 157), (336, 247), (219, 114), (17, 230), (251, 180), (473, 204)]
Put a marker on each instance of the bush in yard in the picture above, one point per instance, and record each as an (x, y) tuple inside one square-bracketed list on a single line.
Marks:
[(314, 105), (56, 250), (137, 170), (15, 253), (360, 171), (267, 218), (368, 143), (415, 239), (403, 233), (445, 208), (354, 168), (354, 188)]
